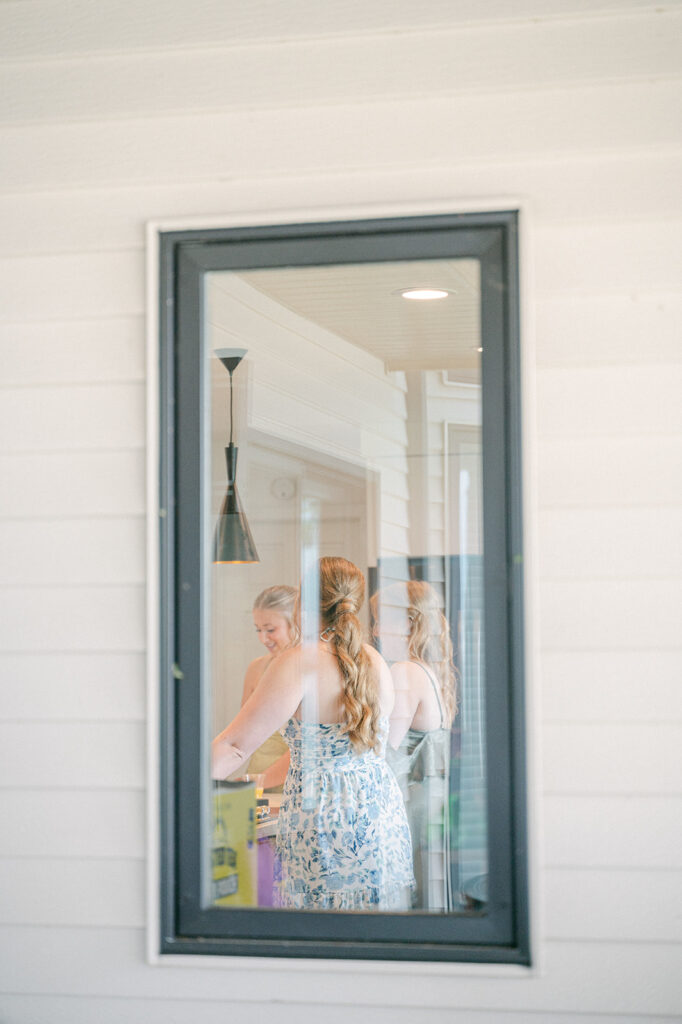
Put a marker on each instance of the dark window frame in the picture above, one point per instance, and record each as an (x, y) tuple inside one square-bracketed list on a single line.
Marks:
[(500, 932)]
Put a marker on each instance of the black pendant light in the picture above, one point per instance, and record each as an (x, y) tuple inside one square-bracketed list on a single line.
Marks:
[(233, 542)]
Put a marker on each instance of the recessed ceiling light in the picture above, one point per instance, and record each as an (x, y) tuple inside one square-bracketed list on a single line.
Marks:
[(424, 294)]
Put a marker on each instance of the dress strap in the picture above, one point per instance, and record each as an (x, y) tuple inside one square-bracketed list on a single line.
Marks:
[(436, 691)]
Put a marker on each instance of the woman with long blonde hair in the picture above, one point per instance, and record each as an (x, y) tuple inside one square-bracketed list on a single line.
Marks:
[(415, 636), (274, 619), (343, 840)]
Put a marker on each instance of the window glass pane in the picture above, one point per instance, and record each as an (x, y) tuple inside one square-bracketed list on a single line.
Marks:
[(354, 416)]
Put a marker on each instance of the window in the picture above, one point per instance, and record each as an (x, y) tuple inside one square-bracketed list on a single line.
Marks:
[(379, 427)]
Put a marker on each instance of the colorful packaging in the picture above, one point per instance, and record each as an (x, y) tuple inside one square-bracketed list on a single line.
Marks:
[(234, 858)]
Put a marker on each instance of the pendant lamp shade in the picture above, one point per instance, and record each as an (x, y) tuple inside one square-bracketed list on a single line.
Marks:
[(232, 543)]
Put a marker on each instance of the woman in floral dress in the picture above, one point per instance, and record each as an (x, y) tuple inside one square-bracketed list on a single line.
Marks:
[(343, 841)]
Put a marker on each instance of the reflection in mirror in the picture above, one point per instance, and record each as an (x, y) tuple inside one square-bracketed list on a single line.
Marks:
[(348, 693)]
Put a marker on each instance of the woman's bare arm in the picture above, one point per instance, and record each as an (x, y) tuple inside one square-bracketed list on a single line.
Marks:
[(252, 677), (265, 711)]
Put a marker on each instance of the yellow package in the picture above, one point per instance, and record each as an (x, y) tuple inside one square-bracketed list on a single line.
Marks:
[(234, 853)]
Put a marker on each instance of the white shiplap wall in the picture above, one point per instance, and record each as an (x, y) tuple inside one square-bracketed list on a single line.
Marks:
[(314, 388), (113, 114)]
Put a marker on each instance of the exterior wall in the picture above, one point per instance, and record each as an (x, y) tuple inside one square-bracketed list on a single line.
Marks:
[(112, 115)]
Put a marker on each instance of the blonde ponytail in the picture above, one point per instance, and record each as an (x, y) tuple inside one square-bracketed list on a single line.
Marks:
[(342, 591), (429, 641), (426, 631)]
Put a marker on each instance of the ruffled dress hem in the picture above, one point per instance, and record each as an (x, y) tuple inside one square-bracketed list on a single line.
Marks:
[(390, 897)]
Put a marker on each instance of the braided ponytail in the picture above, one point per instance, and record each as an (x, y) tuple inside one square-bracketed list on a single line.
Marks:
[(342, 591)]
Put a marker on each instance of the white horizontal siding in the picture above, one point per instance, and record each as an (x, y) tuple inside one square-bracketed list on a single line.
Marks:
[(73, 823), (613, 543), (44, 419), (617, 978), (626, 615), (602, 117), (72, 286), (112, 115), (85, 618), (635, 758), (394, 511), (459, 60), (75, 754), (615, 831), (106, 892), (394, 483), (103, 551), (51, 686), (78, 1010), (71, 351), (619, 906), (611, 471), (609, 401), (598, 259), (597, 186), (304, 422), (351, 409), (612, 686), (66, 484), (393, 540), (627, 326), (53, 28)]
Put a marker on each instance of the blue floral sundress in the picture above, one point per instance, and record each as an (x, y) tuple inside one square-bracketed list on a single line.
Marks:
[(343, 841)]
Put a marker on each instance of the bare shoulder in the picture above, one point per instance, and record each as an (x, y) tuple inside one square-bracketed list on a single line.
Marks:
[(290, 656), (285, 664), (373, 653), (253, 674), (378, 663), (409, 676), (257, 667)]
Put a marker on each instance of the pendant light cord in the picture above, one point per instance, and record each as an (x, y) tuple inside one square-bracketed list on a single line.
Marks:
[(230, 406)]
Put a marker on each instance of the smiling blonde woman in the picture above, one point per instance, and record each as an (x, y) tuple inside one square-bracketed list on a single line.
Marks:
[(275, 621)]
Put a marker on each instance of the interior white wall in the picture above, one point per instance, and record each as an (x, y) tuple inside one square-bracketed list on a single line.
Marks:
[(112, 115), (332, 414)]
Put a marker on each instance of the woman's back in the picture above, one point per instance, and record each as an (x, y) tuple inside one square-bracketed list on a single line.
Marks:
[(418, 700), (323, 682)]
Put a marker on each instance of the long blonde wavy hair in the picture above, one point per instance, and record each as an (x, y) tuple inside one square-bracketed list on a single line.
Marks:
[(342, 591), (429, 640), (281, 599), (427, 633)]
